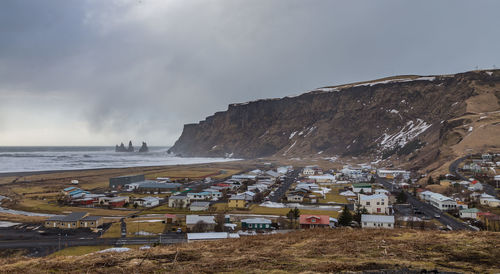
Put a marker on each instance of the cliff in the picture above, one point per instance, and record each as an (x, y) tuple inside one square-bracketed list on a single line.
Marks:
[(405, 117)]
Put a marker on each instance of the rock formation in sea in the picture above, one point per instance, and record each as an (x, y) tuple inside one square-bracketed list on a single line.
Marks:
[(120, 148), (144, 147)]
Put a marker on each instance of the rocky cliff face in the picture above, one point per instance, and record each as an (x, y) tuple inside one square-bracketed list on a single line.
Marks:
[(403, 116)]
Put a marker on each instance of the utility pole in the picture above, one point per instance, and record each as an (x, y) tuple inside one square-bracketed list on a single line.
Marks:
[(59, 240)]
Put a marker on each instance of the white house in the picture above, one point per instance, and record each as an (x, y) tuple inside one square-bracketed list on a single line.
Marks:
[(377, 203), (178, 201), (284, 169), (325, 178), (377, 221), (470, 213), (439, 201), (386, 173), (488, 200), (205, 195), (295, 197), (147, 201), (475, 186)]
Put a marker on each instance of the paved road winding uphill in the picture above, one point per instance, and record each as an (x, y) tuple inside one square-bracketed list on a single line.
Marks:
[(427, 209), (453, 168)]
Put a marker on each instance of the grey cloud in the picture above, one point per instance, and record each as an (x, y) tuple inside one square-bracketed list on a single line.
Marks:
[(144, 68)]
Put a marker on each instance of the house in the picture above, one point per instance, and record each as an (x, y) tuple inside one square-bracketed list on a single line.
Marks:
[(377, 203), (210, 236), (73, 221), (157, 187), (462, 205), (311, 170), (147, 201), (90, 221), (362, 188), (205, 195), (377, 221), (237, 201), (439, 201), (199, 206), (475, 186), (488, 200), (349, 194), (192, 220), (312, 221), (325, 178), (391, 174), (295, 197), (170, 218), (119, 201), (178, 201), (120, 182), (470, 213), (284, 169), (490, 220), (67, 190), (256, 223)]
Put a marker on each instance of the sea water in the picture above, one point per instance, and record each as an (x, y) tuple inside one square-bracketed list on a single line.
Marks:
[(22, 159)]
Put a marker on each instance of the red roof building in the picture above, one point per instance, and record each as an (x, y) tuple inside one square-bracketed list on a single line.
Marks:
[(312, 221)]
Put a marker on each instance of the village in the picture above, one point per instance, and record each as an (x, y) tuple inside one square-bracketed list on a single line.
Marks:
[(279, 199)]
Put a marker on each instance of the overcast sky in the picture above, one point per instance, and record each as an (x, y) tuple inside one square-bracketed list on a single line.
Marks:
[(77, 72)]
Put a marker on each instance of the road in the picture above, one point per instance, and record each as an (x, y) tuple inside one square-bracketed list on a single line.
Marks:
[(62, 241), (428, 210), (453, 168), (290, 178)]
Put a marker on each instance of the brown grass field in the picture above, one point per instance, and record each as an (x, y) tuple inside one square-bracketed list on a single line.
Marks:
[(302, 251)]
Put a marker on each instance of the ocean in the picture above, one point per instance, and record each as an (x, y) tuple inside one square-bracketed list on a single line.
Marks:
[(23, 159)]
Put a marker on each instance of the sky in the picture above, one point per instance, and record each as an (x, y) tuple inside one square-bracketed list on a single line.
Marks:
[(94, 72)]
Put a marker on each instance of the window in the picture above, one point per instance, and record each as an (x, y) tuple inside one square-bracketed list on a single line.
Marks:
[(364, 223), (313, 220), (389, 225), (367, 203), (378, 203)]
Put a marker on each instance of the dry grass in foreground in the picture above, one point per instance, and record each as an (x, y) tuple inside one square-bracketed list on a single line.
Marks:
[(314, 251)]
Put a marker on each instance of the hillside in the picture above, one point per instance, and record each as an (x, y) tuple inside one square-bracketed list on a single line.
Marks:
[(315, 251), (415, 120)]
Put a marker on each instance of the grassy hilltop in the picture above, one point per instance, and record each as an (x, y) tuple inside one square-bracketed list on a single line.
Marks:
[(314, 250)]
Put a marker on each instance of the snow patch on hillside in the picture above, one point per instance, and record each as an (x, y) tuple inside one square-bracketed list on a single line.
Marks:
[(409, 132)]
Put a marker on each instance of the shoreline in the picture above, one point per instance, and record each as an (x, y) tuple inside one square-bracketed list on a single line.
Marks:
[(43, 172)]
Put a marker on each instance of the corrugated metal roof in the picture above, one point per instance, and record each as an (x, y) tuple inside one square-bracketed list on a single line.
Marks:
[(377, 218)]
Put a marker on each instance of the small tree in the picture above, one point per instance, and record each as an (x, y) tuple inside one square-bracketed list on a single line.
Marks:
[(220, 220), (136, 205), (401, 198), (430, 181), (372, 180), (345, 218), (200, 226), (296, 213)]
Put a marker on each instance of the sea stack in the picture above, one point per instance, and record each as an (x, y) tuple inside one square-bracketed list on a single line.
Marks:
[(130, 147), (120, 148), (144, 147)]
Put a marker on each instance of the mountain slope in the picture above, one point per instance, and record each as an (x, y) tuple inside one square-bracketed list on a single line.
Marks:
[(412, 118)]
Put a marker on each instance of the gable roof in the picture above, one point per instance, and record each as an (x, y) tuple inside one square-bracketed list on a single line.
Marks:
[(320, 219), (73, 217), (256, 221), (377, 218), (193, 219)]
